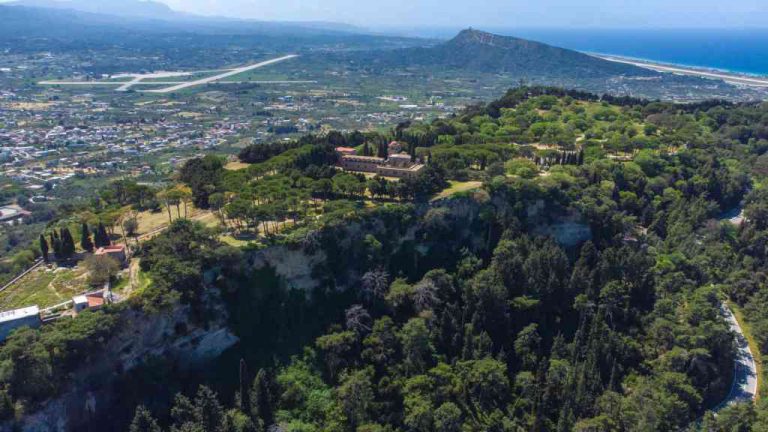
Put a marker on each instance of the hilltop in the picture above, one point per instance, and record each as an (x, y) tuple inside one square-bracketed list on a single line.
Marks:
[(474, 49), (577, 257), (480, 51)]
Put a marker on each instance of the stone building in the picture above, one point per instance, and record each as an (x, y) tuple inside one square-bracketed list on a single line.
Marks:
[(398, 165)]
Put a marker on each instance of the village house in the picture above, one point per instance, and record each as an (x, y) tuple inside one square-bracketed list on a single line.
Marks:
[(118, 252), (92, 301), (12, 213), (13, 319)]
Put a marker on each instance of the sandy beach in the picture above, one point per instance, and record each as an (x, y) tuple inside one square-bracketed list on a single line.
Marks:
[(732, 78)]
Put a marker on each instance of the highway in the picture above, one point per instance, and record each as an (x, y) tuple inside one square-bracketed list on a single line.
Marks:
[(729, 78), (221, 76)]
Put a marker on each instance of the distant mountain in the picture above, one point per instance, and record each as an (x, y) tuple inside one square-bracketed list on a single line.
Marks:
[(85, 19), (160, 11), (123, 8), (486, 52)]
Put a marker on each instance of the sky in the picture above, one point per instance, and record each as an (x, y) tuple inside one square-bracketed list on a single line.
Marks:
[(495, 13)]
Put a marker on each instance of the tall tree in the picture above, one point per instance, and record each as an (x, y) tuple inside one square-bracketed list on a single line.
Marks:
[(101, 237), (262, 398), (85, 238), (208, 412), (244, 394), (44, 247), (56, 244), (143, 421), (67, 243)]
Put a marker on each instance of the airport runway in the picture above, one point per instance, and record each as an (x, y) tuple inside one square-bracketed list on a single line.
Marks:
[(221, 76)]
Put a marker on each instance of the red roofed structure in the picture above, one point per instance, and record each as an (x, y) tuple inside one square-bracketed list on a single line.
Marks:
[(117, 252)]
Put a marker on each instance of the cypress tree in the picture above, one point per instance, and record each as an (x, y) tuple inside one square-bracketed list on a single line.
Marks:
[(244, 394), (67, 243), (101, 237), (261, 397), (56, 243), (85, 239), (382, 151), (44, 247)]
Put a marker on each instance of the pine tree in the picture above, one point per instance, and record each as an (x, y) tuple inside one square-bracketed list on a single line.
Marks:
[(143, 421), (85, 239), (44, 247), (208, 412)]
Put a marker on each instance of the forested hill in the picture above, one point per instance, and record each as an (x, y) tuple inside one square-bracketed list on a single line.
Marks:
[(485, 52), (376, 305)]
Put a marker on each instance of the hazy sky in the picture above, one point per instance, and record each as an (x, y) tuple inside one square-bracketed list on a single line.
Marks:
[(497, 13)]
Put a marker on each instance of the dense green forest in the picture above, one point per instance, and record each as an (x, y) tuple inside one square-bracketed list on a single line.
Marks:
[(468, 312)]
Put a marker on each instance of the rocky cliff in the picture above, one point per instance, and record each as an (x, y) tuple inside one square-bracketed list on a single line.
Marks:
[(171, 335), (335, 253)]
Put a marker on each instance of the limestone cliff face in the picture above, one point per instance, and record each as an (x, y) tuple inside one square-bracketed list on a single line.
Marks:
[(292, 265), (174, 336), (171, 335)]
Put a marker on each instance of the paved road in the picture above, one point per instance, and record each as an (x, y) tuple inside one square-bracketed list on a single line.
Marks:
[(729, 78), (744, 386), (221, 76)]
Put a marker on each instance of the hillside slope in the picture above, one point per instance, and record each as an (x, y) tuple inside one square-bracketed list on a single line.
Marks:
[(44, 19), (125, 8), (486, 52)]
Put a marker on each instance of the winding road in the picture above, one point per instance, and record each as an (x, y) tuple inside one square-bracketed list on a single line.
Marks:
[(744, 386)]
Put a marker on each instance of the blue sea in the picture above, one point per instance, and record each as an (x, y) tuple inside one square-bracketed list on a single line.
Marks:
[(735, 50)]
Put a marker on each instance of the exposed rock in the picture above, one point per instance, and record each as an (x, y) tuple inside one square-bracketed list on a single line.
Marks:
[(294, 266), (172, 336)]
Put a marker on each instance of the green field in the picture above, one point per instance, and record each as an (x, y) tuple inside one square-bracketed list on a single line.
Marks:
[(44, 287)]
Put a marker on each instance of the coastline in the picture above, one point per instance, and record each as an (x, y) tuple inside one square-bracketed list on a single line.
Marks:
[(731, 77)]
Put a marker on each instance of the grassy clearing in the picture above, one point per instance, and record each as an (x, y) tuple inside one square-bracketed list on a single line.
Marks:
[(753, 346), (143, 281), (152, 221), (457, 187), (236, 166), (45, 287), (232, 241)]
